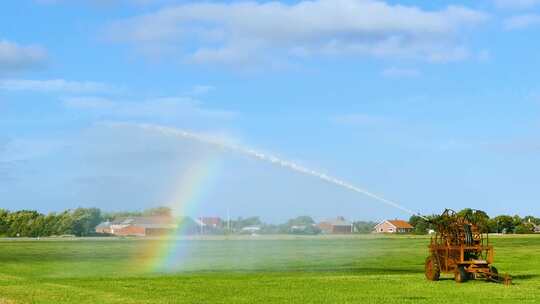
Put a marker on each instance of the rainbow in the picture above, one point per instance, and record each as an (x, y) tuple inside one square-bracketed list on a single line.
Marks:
[(193, 184)]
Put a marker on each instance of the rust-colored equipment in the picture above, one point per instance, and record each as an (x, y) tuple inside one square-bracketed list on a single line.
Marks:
[(461, 248)]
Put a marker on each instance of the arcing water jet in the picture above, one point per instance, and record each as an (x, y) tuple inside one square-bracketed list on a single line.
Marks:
[(271, 159)]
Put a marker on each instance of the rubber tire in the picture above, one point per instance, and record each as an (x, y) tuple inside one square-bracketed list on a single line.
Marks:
[(494, 270), (461, 275), (432, 268)]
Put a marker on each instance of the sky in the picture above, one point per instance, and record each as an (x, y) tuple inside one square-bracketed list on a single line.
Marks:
[(431, 104)]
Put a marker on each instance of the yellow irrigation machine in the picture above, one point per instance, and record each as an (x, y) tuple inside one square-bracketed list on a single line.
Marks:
[(459, 247)]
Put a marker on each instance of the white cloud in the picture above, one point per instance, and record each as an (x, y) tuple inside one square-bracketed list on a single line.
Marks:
[(244, 33), (516, 4), (56, 85), (159, 108), (394, 72), (522, 21), (15, 57)]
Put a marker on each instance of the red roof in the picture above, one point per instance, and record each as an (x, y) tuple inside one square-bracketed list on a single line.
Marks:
[(401, 224)]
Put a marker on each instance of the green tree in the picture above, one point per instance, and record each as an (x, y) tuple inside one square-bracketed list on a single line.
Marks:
[(525, 228), (503, 223), (21, 223), (532, 219), (301, 220), (301, 225), (4, 224), (423, 224), (478, 217), (158, 211), (245, 222), (85, 220), (363, 227)]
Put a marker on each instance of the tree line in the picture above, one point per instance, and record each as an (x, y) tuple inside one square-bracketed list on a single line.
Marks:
[(30, 223), (498, 224), (83, 221), (301, 225), (78, 222)]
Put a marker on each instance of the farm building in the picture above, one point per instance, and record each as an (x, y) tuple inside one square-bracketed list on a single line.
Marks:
[(138, 226), (336, 226), (537, 229), (393, 226), (104, 227), (213, 222), (208, 224)]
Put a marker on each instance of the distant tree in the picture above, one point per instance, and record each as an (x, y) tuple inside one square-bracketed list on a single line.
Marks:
[(532, 219), (112, 215), (478, 217), (272, 229), (300, 225), (301, 221), (64, 223), (423, 224), (49, 225), (158, 211), (363, 227), (517, 220), (240, 223), (524, 228), (503, 223), (85, 220), (22, 223), (422, 227), (4, 224), (415, 219)]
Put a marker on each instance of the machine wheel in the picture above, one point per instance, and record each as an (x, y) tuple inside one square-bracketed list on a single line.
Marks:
[(494, 273), (461, 274), (433, 271)]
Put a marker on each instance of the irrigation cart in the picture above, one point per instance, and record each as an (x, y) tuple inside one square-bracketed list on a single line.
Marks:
[(460, 248)]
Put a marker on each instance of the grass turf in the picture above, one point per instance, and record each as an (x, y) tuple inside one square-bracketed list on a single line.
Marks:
[(357, 269)]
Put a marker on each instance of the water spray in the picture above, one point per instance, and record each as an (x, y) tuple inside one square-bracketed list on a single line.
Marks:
[(273, 160)]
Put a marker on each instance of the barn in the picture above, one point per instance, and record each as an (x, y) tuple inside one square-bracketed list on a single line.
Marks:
[(139, 226), (393, 226), (336, 226)]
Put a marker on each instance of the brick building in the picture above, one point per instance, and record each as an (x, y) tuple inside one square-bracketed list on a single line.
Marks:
[(336, 226), (138, 226)]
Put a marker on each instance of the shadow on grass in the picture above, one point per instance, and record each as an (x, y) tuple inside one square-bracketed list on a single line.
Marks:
[(525, 277)]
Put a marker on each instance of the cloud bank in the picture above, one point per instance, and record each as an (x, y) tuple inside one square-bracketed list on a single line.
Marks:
[(248, 33)]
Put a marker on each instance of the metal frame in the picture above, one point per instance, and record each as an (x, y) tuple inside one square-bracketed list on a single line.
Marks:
[(459, 247)]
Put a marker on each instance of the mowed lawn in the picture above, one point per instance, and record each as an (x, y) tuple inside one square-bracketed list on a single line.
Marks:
[(357, 269)]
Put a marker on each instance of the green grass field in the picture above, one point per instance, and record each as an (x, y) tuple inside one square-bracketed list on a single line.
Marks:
[(357, 269)]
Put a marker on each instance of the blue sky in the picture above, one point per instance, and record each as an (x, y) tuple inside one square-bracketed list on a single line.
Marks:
[(432, 105)]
